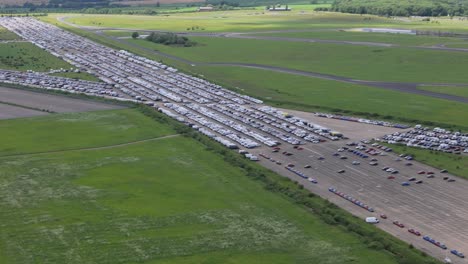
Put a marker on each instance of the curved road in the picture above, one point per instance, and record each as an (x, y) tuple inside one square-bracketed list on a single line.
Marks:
[(395, 86)]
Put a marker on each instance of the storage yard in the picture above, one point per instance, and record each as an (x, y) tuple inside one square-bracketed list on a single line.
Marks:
[(327, 156)]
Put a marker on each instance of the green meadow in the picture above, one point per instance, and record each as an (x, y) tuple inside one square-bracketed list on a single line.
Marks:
[(359, 62), (161, 201)]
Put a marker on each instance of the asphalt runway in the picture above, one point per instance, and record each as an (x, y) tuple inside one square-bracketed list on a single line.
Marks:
[(10, 112), (52, 103)]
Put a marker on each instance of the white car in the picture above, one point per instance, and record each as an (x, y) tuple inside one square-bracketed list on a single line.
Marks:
[(372, 220)]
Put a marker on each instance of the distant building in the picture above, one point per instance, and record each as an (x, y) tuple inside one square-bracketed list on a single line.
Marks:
[(279, 9), (205, 8)]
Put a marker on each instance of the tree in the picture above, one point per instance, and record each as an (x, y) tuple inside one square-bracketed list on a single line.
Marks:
[(135, 35)]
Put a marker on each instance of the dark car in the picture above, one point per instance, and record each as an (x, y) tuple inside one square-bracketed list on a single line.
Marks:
[(414, 232), (412, 179), (400, 225), (341, 171)]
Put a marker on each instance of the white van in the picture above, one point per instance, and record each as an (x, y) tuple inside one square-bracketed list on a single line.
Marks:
[(372, 220)]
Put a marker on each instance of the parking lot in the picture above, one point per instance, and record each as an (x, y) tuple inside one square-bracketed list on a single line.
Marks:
[(434, 207)]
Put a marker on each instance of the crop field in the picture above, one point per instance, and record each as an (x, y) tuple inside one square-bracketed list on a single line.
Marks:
[(22, 56), (165, 201), (359, 62), (261, 20), (459, 91)]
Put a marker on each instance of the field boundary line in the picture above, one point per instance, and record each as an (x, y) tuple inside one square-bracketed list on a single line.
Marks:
[(93, 148)]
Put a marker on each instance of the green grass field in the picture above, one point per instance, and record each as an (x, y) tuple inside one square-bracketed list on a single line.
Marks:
[(164, 201), (72, 131), (301, 17), (455, 90), (359, 62), (455, 164), (7, 35), (399, 39), (22, 56)]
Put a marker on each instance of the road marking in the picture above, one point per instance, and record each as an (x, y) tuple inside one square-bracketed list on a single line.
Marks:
[(358, 171), (313, 151)]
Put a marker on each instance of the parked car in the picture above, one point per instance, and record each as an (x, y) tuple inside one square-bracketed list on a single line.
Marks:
[(414, 232), (398, 224)]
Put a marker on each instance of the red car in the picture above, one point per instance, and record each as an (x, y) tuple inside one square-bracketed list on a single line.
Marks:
[(414, 232), (400, 225), (430, 172), (421, 172), (391, 177), (383, 216), (300, 148), (290, 165)]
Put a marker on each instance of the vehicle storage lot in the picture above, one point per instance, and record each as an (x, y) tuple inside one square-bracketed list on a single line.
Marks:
[(352, 130), (54, 103), (436, 208), (9, 112)]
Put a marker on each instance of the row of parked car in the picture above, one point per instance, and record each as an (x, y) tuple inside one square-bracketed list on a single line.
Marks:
[(362, 120), (44, 81), (438, 139), (237, 118)]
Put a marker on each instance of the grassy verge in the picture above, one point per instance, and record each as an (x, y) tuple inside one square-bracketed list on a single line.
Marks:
[(455, 164), (453, 90), (5, 34)]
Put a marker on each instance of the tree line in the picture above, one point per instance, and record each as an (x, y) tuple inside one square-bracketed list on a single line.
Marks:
[(401, 7)]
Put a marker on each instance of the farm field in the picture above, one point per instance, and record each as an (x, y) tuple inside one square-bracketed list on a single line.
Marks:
[(459, 91), (455, 164), (23, 56), (260, 20), (76, 130), (311, 94), (149, 203), (359, 62)]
